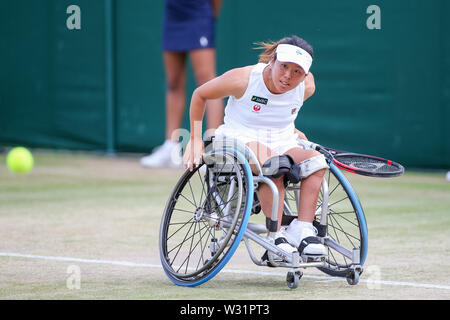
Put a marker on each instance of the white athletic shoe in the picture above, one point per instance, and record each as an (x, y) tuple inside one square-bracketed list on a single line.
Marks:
[(310, 244), (282, 243), (293, 232), (303, 236), (168, 155)]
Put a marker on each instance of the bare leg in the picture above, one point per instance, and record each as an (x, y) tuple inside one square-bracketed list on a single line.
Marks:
[(309, 187), (204, 65), (263, 153), (174, 64)]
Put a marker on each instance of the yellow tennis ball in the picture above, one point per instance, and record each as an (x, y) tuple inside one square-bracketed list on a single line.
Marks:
[(20, 160)]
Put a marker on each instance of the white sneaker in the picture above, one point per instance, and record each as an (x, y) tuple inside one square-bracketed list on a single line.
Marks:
[(168, 155), (310, 245), (303, 236), (282, 243), (293, 232)]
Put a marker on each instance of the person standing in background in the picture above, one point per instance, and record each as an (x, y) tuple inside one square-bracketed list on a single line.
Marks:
[(188, 29)]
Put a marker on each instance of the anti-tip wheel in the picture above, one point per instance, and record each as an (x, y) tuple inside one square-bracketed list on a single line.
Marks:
[(293, 278), (353, 277)]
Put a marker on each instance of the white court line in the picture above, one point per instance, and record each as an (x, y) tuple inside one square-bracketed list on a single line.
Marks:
[(235, 271)]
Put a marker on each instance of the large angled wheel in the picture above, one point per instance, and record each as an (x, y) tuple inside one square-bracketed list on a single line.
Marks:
[(346, 225), (205, 218)]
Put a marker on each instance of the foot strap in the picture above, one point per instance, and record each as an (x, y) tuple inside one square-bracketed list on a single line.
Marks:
[(265, 256), (305, 242), (280, 240)]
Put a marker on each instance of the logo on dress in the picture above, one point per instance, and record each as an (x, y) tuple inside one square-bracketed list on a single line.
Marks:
[(256, 108), (293, 110), (259, 100)]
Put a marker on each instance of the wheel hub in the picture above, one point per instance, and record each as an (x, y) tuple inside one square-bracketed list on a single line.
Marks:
[(198, 214)]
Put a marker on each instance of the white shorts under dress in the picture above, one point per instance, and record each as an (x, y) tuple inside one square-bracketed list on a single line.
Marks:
[(277, 141)]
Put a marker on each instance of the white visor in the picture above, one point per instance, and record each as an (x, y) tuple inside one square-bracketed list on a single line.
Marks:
[(291, 53)]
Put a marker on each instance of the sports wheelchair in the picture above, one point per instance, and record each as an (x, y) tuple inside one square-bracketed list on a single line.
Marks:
[(207, 216)]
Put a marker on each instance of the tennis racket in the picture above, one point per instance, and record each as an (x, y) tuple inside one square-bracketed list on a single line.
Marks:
[(362, 164)]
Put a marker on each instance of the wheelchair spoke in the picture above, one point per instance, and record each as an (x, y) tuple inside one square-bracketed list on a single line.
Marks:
[(223, 203), (334, 259), (191, 237), (192, 249), (336, 202), (188, 200), (330, 224), (186, 236), (183, 225), (179, 245), (192, 192), (340, 214), (341, 229), (331, 192), (203, 245), (203, 186), (188, 256), (182, 210), (332, 253), (192, 241)]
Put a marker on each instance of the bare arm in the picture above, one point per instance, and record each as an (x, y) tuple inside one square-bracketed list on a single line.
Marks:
[(232, 83), (310, 86)]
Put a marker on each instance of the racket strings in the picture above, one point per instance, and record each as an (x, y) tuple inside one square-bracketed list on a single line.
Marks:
[(367, 163)]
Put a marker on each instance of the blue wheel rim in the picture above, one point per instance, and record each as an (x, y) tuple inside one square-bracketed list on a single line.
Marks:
[(244, 223), (358, 208)]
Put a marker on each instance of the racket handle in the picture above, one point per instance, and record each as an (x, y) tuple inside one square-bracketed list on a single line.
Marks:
[(309, 145)]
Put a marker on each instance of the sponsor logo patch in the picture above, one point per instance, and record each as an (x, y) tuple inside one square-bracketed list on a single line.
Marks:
[(259, 100), (256, 108)]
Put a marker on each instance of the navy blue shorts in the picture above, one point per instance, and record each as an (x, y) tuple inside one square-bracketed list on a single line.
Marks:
[(188, 25)]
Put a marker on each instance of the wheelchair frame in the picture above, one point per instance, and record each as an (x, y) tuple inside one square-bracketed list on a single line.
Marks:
[(258, 233)]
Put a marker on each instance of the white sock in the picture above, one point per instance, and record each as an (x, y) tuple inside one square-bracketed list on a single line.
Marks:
[(296, 225)]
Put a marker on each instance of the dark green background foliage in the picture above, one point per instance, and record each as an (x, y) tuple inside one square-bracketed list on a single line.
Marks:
[(383, 92)]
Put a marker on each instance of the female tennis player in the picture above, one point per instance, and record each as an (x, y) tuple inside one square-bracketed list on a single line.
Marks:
[(264, 101)]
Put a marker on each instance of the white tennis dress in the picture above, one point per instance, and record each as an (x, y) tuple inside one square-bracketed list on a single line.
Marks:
[(262, 116)]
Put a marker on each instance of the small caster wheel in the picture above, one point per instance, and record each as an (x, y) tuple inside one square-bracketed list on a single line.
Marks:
[(292, 278), (353, 277)]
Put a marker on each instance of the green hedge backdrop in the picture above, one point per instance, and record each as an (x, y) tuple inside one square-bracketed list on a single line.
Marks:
[(383, 91)]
